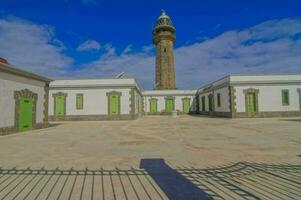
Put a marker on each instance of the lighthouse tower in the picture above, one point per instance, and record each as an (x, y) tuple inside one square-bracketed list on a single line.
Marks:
[(164, 38)]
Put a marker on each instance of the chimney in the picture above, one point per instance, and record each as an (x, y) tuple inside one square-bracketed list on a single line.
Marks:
[(3, 61)]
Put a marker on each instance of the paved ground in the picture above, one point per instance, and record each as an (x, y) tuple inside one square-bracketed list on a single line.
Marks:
[(185, 141), (197, 148)]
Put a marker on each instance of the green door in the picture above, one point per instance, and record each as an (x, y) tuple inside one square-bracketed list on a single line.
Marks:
[(59, 106), (114, 105), (25, 113), (153, 105), (203, 103), (251, 102), (186, 105), (169, 105), (211, 103)]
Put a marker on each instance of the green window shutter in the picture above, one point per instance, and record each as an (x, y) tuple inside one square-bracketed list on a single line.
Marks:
[(285, 97), (79, 101)]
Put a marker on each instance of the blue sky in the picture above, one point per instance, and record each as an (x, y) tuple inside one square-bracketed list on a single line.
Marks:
[(101, 38)]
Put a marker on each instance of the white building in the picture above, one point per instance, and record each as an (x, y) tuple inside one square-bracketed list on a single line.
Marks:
[(252, 96), (95, 99), (166, 101), (23, 99)]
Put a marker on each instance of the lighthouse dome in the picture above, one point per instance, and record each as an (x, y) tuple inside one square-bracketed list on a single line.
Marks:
[(164, 23)]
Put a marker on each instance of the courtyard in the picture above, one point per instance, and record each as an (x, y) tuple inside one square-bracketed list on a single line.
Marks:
[(183, 141), (188, 144)]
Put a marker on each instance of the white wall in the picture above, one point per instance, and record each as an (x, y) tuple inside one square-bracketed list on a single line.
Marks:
[(10, 83), (161, 103), (95, 101), (138, 102), (225, 104), (269, 98)]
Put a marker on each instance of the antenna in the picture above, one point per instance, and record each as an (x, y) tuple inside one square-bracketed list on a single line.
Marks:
[(119, 75)]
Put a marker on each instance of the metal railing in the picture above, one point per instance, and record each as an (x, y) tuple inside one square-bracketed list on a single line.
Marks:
[(242, 180)]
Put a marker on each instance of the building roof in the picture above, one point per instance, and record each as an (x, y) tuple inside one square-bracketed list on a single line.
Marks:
[(164, 23), (265, 78), (8, 68), (254, 79), (84, 83), (168, 92)]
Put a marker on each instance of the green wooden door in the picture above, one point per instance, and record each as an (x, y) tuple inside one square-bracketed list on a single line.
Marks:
[(203, 103), (169, 105), (251, 102), (153, 105), (59, 106), (25, 113), (114, 105), (186, 105), (211, 103)]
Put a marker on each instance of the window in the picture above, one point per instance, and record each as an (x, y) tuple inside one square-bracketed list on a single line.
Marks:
[(79, 101), (285, 98), (218, 100)]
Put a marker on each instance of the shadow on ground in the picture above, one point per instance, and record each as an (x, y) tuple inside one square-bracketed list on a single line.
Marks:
[(54, 124), (155, 180), (291, 120)]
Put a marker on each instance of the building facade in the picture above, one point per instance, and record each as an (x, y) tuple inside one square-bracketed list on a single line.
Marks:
[(95, 99), (159, 102), (252, 96), (23, 99)]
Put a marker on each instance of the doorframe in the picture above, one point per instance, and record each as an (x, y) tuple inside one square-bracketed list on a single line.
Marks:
[(26, 93), (54, 95), (251, 91), (119, 94)]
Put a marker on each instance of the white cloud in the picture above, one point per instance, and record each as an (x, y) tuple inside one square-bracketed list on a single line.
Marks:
[(89, 45), (32, 47)]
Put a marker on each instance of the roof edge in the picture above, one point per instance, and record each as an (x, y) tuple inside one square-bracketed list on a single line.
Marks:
[(13, 70)]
